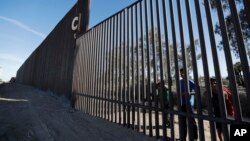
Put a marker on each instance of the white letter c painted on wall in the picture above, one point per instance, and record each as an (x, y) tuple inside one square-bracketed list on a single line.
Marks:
[(74, 25)]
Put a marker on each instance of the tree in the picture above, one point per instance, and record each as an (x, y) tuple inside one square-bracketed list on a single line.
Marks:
[(171, 53), (189, 55), (230, 25), (238, 73), (114, 61)]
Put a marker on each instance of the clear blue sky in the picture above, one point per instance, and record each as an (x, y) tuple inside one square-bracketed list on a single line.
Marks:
[(24, 24)]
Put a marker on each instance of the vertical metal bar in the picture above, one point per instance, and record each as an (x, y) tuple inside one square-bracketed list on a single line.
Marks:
[(94, 72), (168, 69), (128, 69), (84, 50), (84, 90), (243, 57), (229, 66), (186, 80), (116, 67), (124, 66), (97, 84), (120, 72), (100, 71), (216, 63), (91, 71), (138, 94), (132, 63), (103, 69), (75, 79), (148, 71), (77, 76), (106, 71), (95, 87), (181, 131), (87, 72), (97, 56), (161, 72), (83, 78), (112, 69), (205, 66), (143, 71), (194, 62), (154, 68), (87, 86)]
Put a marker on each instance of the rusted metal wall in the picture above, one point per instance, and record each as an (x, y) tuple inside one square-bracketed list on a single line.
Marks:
[(50, 66), (120, 61)]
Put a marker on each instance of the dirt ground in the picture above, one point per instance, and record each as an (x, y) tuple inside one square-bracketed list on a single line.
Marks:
[(28, 114)]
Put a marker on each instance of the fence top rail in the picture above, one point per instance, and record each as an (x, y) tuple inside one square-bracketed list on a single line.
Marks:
[(120, 11)]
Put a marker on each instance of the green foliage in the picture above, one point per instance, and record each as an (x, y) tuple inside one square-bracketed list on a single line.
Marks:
[(230, 25), (225, 82), (238, 73)]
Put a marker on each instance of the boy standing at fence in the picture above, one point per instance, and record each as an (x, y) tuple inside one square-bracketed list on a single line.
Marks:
[(228, 101), (164, 98), (187, 102)]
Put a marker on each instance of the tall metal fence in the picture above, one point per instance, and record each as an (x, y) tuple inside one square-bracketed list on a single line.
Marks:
[(50, 66), (120, 61)]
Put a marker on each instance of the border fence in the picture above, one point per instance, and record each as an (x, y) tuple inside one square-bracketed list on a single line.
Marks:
[(119, 63), (50, 66)]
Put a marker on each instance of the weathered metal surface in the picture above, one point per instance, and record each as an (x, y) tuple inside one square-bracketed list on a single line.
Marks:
[(50, 66)]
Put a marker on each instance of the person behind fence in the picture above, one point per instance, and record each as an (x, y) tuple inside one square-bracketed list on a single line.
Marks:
[(184, 103), (164, 98), (216, 107)]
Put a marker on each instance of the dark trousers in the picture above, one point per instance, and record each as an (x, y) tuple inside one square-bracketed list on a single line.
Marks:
[(184, 123)]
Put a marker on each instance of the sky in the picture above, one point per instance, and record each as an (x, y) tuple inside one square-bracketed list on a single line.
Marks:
[(24, 24)]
